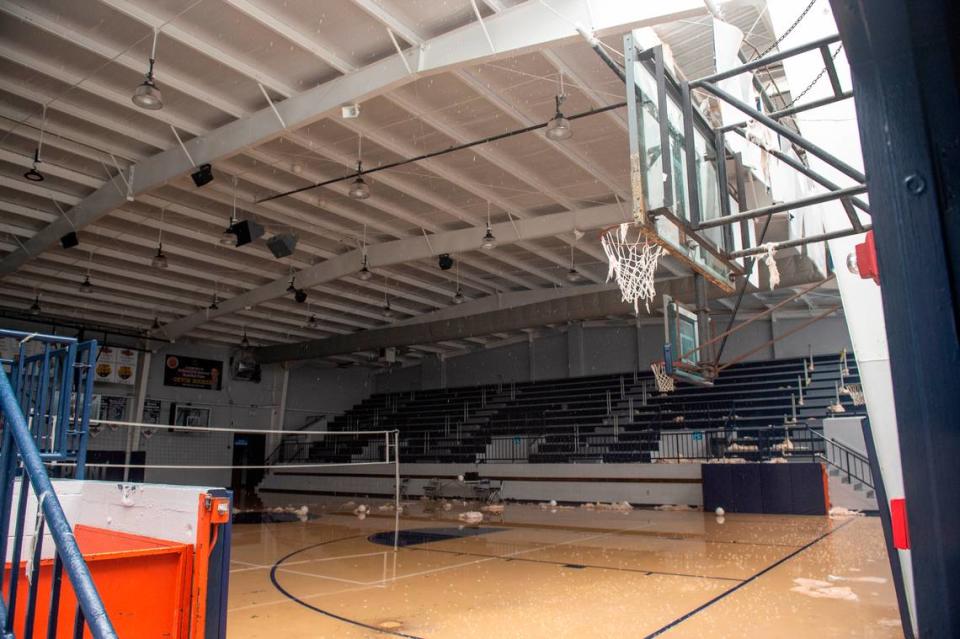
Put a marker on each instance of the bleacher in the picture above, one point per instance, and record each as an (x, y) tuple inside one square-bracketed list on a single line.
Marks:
[(609, 418)]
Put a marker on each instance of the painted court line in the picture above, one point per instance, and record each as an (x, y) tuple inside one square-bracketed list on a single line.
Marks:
[(740, 585)]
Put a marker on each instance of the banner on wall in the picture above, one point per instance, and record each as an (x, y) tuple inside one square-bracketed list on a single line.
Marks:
[(116, 366), (192, 372)]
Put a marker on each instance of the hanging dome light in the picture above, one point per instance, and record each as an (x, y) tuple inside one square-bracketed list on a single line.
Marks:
[(86, 286), (489, 240), (244, 342), (35, 307), (365, 273), (359, 189), (559, 127), (215, 304), (159, 260), (312, 321), (458, 297), (228, 237), (573, 275), (387, 311), (33, 174), (156, 324), (147, 95)]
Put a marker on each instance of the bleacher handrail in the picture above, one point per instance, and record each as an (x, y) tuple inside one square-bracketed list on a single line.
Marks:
[(19, 443)]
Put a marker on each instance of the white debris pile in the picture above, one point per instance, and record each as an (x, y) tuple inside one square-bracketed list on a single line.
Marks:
[(361, 511), (676, 507), (839, 511), (823, 590), (471, 517), (785, 445), (617, 506), (493, 509)]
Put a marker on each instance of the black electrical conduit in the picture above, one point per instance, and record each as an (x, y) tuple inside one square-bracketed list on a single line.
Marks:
[(451, 149)]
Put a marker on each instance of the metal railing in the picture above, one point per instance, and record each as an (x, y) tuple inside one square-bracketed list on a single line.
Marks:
[(45, 413), (582, 444), (848, 461)]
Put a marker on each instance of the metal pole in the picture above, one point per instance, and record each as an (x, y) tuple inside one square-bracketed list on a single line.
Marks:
[(73, 562), (800, 108), (760, 315), (396, 496), (767, 60), (800, 327), (812, 200), (848, 203), (804, 240), (789, 134)]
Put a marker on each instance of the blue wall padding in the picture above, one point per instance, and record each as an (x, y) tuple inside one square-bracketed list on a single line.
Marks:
[(785, 489)]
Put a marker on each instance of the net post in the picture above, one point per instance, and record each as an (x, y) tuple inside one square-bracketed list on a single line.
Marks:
[(396, 490)]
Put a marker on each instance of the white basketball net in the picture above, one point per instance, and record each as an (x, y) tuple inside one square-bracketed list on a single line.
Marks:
[(771, 261), (633, 264), (665, 383), (855, 391)]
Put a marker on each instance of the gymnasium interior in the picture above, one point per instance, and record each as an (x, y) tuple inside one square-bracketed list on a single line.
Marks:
[(479, 319)]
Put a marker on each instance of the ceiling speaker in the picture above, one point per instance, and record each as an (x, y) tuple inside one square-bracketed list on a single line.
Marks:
[(70, 240), (282, 245), (203, 175), (246, 231)]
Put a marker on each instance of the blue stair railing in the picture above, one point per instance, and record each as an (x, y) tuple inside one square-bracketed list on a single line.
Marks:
[(45, 401)]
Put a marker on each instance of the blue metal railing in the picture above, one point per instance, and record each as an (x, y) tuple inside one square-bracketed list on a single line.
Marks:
[(45, 411)]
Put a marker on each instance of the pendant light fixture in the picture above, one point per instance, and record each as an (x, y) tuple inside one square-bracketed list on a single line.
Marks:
[(364, 273), (86, 287), (559, 128), (489, 240), (388, 312), (156, 323), (244, 342), (229, 235), (34, 174), (147, 95), (573, 275), (359, 189), (160, 260), (458, 297), (35, 307)]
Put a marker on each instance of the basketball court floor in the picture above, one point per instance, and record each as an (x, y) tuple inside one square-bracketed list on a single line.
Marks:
[(568, 572)]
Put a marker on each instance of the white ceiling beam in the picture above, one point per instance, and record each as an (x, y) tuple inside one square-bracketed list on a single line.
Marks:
[(416, 248), (524, 27), (134, 63)]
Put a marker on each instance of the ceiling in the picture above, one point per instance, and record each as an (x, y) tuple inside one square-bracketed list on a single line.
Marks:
[(217, 61)]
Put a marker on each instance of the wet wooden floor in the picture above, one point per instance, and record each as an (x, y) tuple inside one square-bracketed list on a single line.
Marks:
[(568, 573)]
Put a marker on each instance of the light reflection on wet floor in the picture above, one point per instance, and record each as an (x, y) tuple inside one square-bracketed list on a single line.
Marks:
[(570, 573)]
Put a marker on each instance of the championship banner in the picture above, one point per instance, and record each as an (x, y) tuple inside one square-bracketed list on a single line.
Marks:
[(192, 372)]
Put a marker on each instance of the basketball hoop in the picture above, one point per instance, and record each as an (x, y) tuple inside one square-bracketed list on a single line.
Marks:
[(633, 262), (855, 391), (665, 383)]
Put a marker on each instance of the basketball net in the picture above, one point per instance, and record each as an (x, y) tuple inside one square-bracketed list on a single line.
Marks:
[(633, 264), (771, 262), (855, 391), (665, 383)]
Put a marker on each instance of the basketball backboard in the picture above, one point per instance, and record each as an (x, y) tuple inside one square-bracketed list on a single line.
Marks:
[(674, 190), (681, 341)]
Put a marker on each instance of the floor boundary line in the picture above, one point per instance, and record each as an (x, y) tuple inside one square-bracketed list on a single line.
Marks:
[(749, 580)]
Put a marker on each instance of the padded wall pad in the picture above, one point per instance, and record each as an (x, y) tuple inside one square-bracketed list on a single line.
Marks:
[(717, 486), (748, 492), (807, 494), (785, 489), (777, 491)]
